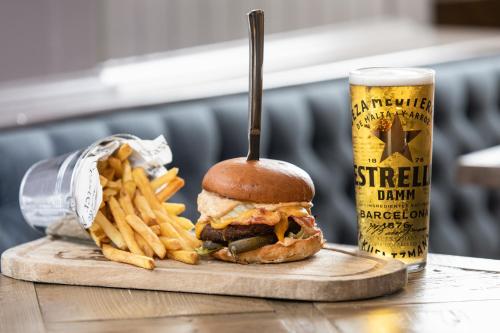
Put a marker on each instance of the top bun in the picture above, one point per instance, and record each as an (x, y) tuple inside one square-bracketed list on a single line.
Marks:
[(262, 181)]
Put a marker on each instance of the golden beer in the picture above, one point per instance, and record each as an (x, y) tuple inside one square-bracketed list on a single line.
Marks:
[(392, 115)]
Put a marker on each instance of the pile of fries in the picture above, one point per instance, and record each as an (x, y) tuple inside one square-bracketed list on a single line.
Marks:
[(135, 223)]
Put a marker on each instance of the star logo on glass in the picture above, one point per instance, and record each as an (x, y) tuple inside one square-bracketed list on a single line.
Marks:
[(395, 139)]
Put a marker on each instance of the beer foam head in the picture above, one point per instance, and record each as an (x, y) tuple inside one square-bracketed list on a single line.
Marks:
[(391, 76)]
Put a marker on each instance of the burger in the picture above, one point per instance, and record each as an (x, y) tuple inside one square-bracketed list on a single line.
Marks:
[(257, 211)]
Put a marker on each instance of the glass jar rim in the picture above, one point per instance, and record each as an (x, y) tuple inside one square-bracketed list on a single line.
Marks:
[(392, 76)]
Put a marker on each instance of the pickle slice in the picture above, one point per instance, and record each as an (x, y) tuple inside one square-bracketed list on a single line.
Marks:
[(208, 247), (249, 244), (212, 246)]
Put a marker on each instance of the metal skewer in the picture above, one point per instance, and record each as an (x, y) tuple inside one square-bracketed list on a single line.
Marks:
[(256, 34)]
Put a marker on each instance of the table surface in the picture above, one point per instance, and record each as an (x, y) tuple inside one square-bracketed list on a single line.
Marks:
[(480, 168), (451, 294)]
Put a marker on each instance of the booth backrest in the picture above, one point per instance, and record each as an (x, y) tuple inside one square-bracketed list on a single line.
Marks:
[(308, 125)]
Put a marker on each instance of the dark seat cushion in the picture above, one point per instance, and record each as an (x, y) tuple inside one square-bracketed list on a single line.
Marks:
[(307, 125)]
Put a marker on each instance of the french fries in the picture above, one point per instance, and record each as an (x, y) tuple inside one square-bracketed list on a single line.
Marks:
[(108, 193), (127, 179), (116, 164), (149, 236), (123, 226), (108, 173), (129, 187), (123, 152), (115, 185), (126, 203), (127, 171), (126, 257), (134, 224), (145, 247), (103, 180), (98, 235), (183, 222), (187, 236), (102, 165), (188, 257), (170, 227), (164, 179), (156, 229), (169, 190), (144, 209), (168, 231), (110, 230), (171, 244), (174, 208), (147, 191)]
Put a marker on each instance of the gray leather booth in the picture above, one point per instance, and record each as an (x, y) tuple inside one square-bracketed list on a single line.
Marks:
[(308, 125)]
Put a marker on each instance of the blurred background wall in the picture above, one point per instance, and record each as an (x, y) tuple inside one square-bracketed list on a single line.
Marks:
[(41, 37)]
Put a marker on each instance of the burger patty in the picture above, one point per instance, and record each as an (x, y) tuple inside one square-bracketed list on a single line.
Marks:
[(235, 232)]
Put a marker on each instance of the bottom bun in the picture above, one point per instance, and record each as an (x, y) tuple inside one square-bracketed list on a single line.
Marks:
[(289, 250)]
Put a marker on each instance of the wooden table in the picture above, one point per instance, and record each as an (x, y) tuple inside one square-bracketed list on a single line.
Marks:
[(480, 168), (452, 294)]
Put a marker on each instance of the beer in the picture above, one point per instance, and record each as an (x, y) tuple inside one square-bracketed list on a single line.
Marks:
[(392, 116)]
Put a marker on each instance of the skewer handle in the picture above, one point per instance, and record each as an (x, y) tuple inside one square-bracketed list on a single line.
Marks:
[(256, 34)]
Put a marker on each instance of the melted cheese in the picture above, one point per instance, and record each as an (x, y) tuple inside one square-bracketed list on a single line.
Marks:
[(281, 228), (198, 228), (277, 218), (297, 211), (245, 218)]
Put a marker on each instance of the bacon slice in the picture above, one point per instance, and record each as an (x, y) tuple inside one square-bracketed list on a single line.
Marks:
[(308, 223)]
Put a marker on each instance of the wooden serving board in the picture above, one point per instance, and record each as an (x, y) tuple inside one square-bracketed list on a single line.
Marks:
[(332, 274)]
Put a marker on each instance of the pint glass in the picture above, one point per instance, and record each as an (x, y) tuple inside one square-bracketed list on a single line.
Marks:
[(392, 115)]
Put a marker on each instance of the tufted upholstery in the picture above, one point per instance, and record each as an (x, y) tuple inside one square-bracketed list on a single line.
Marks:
[(308, 125)]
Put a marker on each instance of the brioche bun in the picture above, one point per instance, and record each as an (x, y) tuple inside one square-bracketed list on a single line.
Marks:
[(263, 181)]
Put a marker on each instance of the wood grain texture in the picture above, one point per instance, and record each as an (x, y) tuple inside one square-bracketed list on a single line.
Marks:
[(227, 323), (436, 317), (301, 317), (437, 284), (453, 294), (19, 311), (74, 303), (468, 263), (330, 275)]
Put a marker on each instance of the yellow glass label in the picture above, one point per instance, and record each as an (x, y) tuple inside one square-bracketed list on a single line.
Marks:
[(392, 148)]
